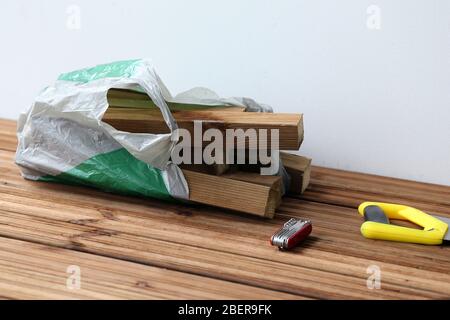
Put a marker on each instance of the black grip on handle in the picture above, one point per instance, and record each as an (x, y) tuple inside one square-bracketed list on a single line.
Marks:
[(375, 214)]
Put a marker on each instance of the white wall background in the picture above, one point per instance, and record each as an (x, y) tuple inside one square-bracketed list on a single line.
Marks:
[(375, 101)]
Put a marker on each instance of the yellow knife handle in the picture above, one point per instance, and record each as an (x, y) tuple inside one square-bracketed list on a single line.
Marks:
[(432, 233), (380, 231)]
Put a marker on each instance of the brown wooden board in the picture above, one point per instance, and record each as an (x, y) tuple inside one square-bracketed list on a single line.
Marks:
[(290, 126), (220, 245), (214, 169), (248, 195), (275, 183), (131, 99), (36, 271), (299, 170), (8, 138), (350, 189)]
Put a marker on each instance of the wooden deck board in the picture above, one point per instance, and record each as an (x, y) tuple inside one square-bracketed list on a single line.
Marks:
[(349, 189), (227, 249), (8, 139), (34, 271)]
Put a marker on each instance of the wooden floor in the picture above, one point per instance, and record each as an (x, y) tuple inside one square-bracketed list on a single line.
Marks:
[(135, 248)]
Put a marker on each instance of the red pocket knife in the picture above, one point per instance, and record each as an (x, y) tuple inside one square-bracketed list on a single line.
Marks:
[(291, 234)]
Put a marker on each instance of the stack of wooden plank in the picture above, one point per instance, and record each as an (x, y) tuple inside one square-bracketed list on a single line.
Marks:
[(235, 187)]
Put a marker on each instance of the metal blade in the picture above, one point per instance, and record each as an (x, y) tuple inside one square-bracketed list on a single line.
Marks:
[(447, 221)]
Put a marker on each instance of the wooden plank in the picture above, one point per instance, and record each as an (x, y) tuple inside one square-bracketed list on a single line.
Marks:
[(290, 126), (345, 220), (335, 248), (148, 104), (212, 263), (11, 178), (214, 169), (35, 271), (243, 195), (351, 189), (8, 126), (299, 169), (274, 182), (105, 241), (131, 99), (331, 264), (8, 139), (127, 94)]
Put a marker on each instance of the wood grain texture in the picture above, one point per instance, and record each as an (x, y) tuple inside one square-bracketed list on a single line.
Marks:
[(132, 99), (8, 138), (203, 241), (225, 247), (275, 183), (35, 271), (255, 196), (214, 169), (148, 104), (350, 189), (298, 168), (290, 126)]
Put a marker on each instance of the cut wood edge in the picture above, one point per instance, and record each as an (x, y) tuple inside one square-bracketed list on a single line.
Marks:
[(274, 182), (299, 169), (237, 195)]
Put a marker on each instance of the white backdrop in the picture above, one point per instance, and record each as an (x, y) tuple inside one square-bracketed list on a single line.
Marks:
[(371, 77)]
